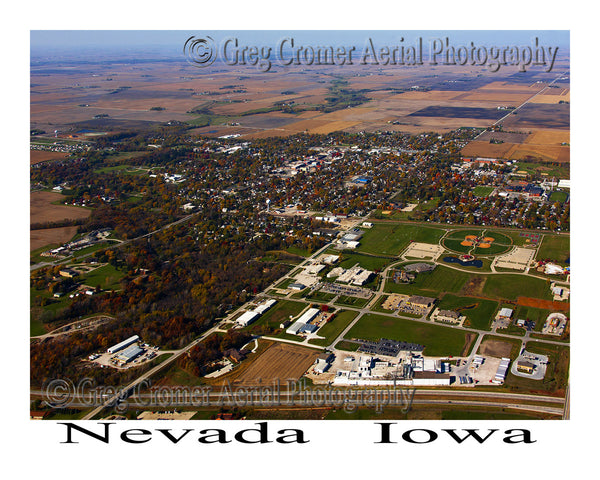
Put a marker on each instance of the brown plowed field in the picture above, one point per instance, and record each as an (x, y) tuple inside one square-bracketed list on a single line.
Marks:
[(281, 361), (38, 156), (50, 236), (42, 209), (544, 304)]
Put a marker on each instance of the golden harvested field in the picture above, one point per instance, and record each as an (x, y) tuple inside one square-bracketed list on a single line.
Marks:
[(551, 153), (495, 97), (430, 95), (37, 156), (42, 210), (504, 86), (553, 97), (281, 361), (50, 236), (487, 149), (548, 137)]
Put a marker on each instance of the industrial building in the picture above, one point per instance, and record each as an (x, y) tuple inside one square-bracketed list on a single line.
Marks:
[(125, 343), (131, 353), (248, 317), (505, 313), (501, 372), (303, 323)]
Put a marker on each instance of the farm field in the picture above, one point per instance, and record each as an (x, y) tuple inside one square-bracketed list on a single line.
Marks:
[(43, 210), (50, 236), (438, 340), (38, 156), (280, 362)]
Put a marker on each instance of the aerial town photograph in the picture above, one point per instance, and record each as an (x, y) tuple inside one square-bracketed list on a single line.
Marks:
[(300, 225)]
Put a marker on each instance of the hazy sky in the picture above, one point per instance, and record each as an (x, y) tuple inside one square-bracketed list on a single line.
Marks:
[(132, 39)]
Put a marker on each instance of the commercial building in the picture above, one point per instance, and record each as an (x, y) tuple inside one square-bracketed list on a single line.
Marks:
[(420, 302), (525, 366), (505, 313), (123, 344)]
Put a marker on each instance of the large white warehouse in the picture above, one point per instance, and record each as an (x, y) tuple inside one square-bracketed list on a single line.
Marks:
[(123, 344)]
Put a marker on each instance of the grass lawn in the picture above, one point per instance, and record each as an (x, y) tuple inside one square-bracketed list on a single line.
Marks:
[(107, 277), (557, 370), (334, 327), (479, 312), (510, 287), (391, 239), (438, 340), (347, 346), (367, 262), (321, 297), (352, 301), (556, 248)]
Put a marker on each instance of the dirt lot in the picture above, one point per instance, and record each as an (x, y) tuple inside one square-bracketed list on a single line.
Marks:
[(544, 304), (42, 210), (495, 348), (50, 236), (280, 361)]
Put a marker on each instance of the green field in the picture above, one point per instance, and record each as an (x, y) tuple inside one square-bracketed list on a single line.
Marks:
[(556, 248), (510, 287), (438, 340), (431, 284), (479, 316), (334, 327), (391, 239)]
